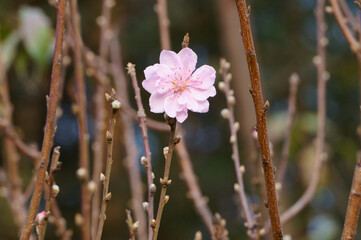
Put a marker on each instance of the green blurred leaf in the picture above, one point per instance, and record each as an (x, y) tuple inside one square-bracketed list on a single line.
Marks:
[(36, 33), (9, 47)]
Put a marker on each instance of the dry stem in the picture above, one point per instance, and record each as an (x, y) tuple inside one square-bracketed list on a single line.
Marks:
[(165, 181), (105, 179), (50, 121), (163, 22), (148, 155), (261, 118), (235, 153)]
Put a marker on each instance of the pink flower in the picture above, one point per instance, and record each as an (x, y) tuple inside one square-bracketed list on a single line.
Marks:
[(176, 88)]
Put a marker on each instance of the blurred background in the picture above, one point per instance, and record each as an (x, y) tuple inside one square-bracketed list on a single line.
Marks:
[(285, 38)]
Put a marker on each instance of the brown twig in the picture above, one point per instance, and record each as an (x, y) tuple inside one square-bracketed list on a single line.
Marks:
[(228, 113), (165, 181), (98, 147), (147, 161), (106, 178), (260, 108), (50, 122), (82, 121), (353, 207), (291, 112), (163, 22), (51, 190)]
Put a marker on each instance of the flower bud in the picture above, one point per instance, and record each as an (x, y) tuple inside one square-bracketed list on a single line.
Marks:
[(55, 190), (145, 206), (153, 188), (91, 187), (144, 161), (116, 105), (165, 151), (236, 126), (231, 100), (102, 177), (82, 173), (225, 113), (242, 169), (221, 86), (79, 220)]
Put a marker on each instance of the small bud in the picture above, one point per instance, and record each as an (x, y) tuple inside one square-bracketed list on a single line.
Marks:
[(153, 223), (110, 3), (231, 100), (236, 126), (262, 232), (231, 92), (116, 105), (108, 97), (166, 198), (224, 64), (221, 86), (40, 217), (165, 151), (79, 220), (294, 78), (109, 137), (144, 161), (91, 187), (229, 76), (108, 196), (236, 187), (287, 237), (135, 226), (242, 169), (266, 106), (82, 173), (324, 41), (102, 177), (232, 139), (153, 176), (55, 190), (177, 139), (278, 186), (255, 134), (198, 235), (153, 188), (145, 206), (46, 177), (225, 113), (328, 9), (316, 60), (101, 20)]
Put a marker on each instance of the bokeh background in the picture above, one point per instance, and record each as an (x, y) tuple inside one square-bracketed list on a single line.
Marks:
[(285, 38)]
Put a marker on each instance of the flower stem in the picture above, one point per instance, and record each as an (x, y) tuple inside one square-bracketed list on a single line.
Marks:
[(105, 180), (165, 181), (50, 121)]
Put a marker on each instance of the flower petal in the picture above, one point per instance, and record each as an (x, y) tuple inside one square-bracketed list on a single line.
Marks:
[(171, 106), (182, 115), (188, 59), (187, 99), (151, 78), (203, 106), (204, 77), (202, 94), (156, 102), (170, 58)]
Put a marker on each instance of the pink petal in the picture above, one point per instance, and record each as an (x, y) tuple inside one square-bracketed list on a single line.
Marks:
[(164, 86), (188, 59), (171, 106), (149, 85), (203, 106), (170, 58), (203, 94), (204, 77), (156, 102), (186, 99), (182, 115), (151, 77)]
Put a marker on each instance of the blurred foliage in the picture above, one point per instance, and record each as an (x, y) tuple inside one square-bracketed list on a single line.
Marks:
[(285, 35)]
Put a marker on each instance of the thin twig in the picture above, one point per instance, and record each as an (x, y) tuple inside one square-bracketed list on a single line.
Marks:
[(228, 113), (147, 162), (98, 145), (50, 121), (260, 108), (106, 178), (165, 181), (50, 190), (291, 112), (353, 207)]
